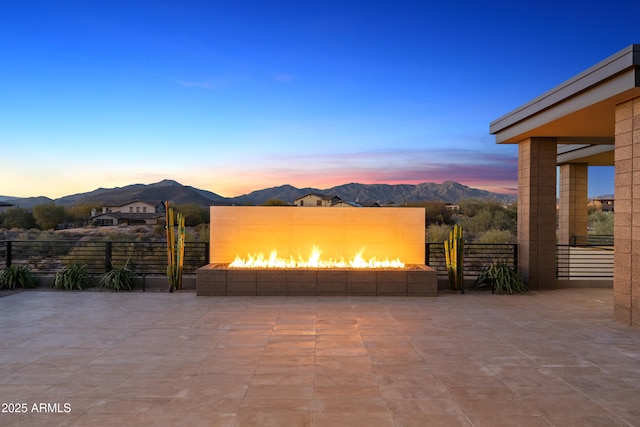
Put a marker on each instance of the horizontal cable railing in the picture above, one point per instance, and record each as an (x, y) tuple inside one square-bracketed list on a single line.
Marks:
[(592, 240), (48, 257), (584, 262), (477, 256)]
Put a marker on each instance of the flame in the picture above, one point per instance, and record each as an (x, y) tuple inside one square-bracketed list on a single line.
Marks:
[(313, 261)]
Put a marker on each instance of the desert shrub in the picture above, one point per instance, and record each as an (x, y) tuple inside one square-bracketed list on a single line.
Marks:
[(136, 254), (437, 233), (496, 237), (483, 215), (159, 230), (199, 233), (601, 223), (18, 218), (85, 252), (50, 244), (436, 212), (49, 215), (118, 236), (17, 276), (194, 214), (72, 277), (119, 279), (503, 278), (275, 202)]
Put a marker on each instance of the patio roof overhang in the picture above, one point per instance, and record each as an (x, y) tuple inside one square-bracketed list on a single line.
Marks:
[(579, 112)]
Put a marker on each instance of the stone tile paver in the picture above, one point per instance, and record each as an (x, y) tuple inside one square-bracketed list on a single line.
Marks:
[(549, 358)]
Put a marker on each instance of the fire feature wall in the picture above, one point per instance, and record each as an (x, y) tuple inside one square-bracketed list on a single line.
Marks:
[(292, 231)]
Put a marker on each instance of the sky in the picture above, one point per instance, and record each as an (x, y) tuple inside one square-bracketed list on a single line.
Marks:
[(236, 96)]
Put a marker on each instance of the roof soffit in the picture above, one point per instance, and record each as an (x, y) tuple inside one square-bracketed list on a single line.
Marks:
[(581, 106)]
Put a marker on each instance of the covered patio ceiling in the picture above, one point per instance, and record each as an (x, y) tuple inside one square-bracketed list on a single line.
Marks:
[(595, 154), (579, 112)]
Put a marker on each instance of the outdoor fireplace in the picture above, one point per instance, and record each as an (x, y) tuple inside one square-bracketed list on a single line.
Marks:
[(269, 250)]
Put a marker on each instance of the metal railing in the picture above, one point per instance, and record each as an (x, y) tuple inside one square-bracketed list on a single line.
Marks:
[(592, 240), (477, 256), (584, 262), (46, 257)]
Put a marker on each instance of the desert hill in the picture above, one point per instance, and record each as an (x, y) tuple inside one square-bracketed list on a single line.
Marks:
[(176, 193)]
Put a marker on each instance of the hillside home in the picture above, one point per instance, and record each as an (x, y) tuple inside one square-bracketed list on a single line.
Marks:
[(344, 203), (131, 213), (317, 200), (605, 205)]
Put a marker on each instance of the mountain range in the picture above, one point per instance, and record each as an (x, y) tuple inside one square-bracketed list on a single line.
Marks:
[(176, 193)]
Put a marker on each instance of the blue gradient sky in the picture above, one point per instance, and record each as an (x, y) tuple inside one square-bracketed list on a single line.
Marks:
[(242, 95)]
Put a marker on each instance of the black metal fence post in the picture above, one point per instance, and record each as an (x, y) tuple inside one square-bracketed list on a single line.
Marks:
[(427, 253), (8, 253), (107, 257)]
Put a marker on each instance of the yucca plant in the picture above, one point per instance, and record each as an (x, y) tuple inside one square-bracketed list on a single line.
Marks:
[(503, 278), (119, 279), (74, 276), (17, 276)]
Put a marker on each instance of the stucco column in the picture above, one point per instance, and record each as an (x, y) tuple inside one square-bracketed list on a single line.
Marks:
[(626, 273), (537, 211), (572, 212)]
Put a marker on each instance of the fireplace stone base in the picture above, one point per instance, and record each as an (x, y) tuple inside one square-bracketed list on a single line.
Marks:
[(219, 280)]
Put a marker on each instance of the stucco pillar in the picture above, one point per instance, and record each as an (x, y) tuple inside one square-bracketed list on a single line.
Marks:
[(626, 273), (572, 211), (537, 212)]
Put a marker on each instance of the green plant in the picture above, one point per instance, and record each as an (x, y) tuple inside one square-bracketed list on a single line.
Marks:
[(119, 279), (601, 223), (175, 247), (437, 233), (74, 276), (503, 278), (17, 275), (454, 255), (495, 236)]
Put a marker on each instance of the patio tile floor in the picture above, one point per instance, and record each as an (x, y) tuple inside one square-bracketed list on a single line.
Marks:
[(551, 358)]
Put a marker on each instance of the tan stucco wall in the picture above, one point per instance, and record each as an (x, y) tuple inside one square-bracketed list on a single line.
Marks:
[(626, 274), (384, 232)]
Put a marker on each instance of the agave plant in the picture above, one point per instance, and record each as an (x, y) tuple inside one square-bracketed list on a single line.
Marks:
[(17, 276), (502, 278), (74, 276), (119, 279)]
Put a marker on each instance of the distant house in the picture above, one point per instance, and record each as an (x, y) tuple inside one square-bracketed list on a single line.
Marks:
[(317, 200), (605, 205), (343, 203), (131, 213), (322, 200)]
